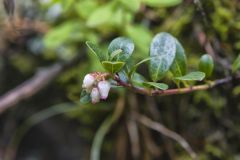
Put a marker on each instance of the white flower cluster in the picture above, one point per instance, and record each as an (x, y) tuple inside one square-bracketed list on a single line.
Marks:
[(98, 89)]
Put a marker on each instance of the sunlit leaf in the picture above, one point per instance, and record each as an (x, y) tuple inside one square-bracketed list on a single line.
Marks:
[(162, 52), (192, 76), (113, 67)]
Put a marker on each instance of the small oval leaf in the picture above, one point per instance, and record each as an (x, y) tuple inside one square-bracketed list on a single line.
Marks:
[(161, 86), (206, 65), (162, 52), (97, 51), (124, 44), (113, 67), (179, 66), (193, 76)]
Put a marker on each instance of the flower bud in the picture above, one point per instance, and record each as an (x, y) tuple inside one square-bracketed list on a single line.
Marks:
[(88, 81), (95, 95), (104, 87)]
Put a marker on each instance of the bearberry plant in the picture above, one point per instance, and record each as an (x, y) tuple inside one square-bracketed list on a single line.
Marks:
[(166, 56)]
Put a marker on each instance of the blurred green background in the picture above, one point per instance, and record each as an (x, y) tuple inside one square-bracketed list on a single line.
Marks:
[(47, 32)]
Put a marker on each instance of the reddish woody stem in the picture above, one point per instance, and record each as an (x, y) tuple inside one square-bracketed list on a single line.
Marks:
[(157, 92)]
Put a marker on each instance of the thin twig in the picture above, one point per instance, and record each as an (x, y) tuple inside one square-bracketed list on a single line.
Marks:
[(32, 86), (165, 131)]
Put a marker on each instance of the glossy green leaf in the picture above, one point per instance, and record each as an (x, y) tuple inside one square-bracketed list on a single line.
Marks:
[(97, 51), (162, 52), (179, 66), (206, 65), (113, 67), (85, 97), (236, 64), (161, 3), (193, 76), (125, 44), (161, 86)]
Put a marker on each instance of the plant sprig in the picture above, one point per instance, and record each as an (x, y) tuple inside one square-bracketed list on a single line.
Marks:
[(166, 55)]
